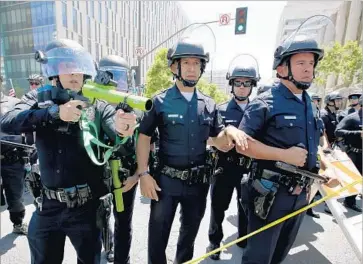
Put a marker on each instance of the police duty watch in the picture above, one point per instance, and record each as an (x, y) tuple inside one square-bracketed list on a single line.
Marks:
[(54, 111)]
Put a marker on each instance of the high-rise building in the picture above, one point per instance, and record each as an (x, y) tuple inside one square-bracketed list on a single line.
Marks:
[(102, 27)]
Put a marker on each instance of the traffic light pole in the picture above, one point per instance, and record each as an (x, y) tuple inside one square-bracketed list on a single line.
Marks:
[(166, 40)]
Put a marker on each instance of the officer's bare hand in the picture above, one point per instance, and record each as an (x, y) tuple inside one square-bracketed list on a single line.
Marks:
[(295, 156), (149, 187), (237, 137), (71, 111), (130, 183), (125, 123), (333, 180)]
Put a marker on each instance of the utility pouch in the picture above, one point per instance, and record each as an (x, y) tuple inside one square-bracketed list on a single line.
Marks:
[(265, 198)]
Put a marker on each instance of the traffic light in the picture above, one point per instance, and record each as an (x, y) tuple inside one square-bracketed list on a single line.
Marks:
[(241, 21)]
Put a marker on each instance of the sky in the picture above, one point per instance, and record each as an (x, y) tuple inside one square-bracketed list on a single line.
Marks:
[(260, 38)]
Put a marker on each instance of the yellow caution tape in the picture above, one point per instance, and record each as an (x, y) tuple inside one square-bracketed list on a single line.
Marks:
[(276, 222)]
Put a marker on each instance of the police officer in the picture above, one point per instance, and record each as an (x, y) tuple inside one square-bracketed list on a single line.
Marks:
[(242, 76), (350, 129), (282, 117), (185, 118), (316, 99), (71, 183), (333, 103), (120, 70), (353, 99), (35, 81), (12, 170)]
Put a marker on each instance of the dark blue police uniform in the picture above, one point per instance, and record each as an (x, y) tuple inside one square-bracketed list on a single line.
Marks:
[(184, 128), (234, 166), (350, 129), (64, 165), (280, 119), (330, 123), (12, 167)]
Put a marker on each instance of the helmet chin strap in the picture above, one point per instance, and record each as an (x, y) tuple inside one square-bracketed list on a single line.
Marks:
[(240, 98), (299, 85), (188, 83)]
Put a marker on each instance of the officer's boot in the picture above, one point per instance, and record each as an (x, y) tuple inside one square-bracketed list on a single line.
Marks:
[(311, 213), (110, 255), (2, 196), (215, 256), (17, 219)]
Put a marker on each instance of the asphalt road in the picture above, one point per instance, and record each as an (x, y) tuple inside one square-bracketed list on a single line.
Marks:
[(320, 241)]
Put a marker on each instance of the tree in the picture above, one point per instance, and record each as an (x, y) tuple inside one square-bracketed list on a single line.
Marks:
[(341, 60), (159, 77)]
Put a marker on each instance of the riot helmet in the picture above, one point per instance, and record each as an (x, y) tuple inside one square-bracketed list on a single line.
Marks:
[(354, 96), (197, 41), (36, 77), (65, 56), (120, 70), (303, 40), (243, 66), (330, 99)]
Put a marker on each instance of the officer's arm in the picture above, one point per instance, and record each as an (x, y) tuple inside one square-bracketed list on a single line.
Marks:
[(108, 114), (252, 124), (26, 116), (345, 129), (147, 128)]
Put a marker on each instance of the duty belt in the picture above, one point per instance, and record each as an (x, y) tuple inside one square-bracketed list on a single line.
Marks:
[(74, 196), (199, 174), (237, 160), (355, 150), (289, 181)]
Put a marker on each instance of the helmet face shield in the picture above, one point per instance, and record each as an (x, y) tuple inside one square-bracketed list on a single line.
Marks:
[(60, 61), (310, 37), (197, 42), (119, 75), (243, 66)]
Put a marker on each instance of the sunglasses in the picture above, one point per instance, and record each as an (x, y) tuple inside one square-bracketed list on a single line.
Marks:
[(354, 97), (241, 83), (34, 83)]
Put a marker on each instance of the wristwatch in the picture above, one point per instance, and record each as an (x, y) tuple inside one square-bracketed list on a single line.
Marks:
[(54, 111)]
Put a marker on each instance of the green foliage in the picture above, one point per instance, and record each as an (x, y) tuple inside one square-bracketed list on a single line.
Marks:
[(159, 77), (345, 61)]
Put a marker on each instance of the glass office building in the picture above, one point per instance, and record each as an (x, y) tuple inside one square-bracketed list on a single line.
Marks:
[(102, 27)]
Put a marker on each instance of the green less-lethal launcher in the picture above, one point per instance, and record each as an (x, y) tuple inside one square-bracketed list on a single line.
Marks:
[(117, 192), (93, 91)]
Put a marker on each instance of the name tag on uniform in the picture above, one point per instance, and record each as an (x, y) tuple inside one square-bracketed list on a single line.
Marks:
[(173, 115), (290, 117), (230, 121)]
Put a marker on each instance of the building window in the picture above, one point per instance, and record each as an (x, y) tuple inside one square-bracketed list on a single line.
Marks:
[(88, 27), (80, 24), (64, 15), (106, 17), (80, 40), (97, 52), (100, 12), (89, 46), (75, 21), (92, 8), (107, 37)]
